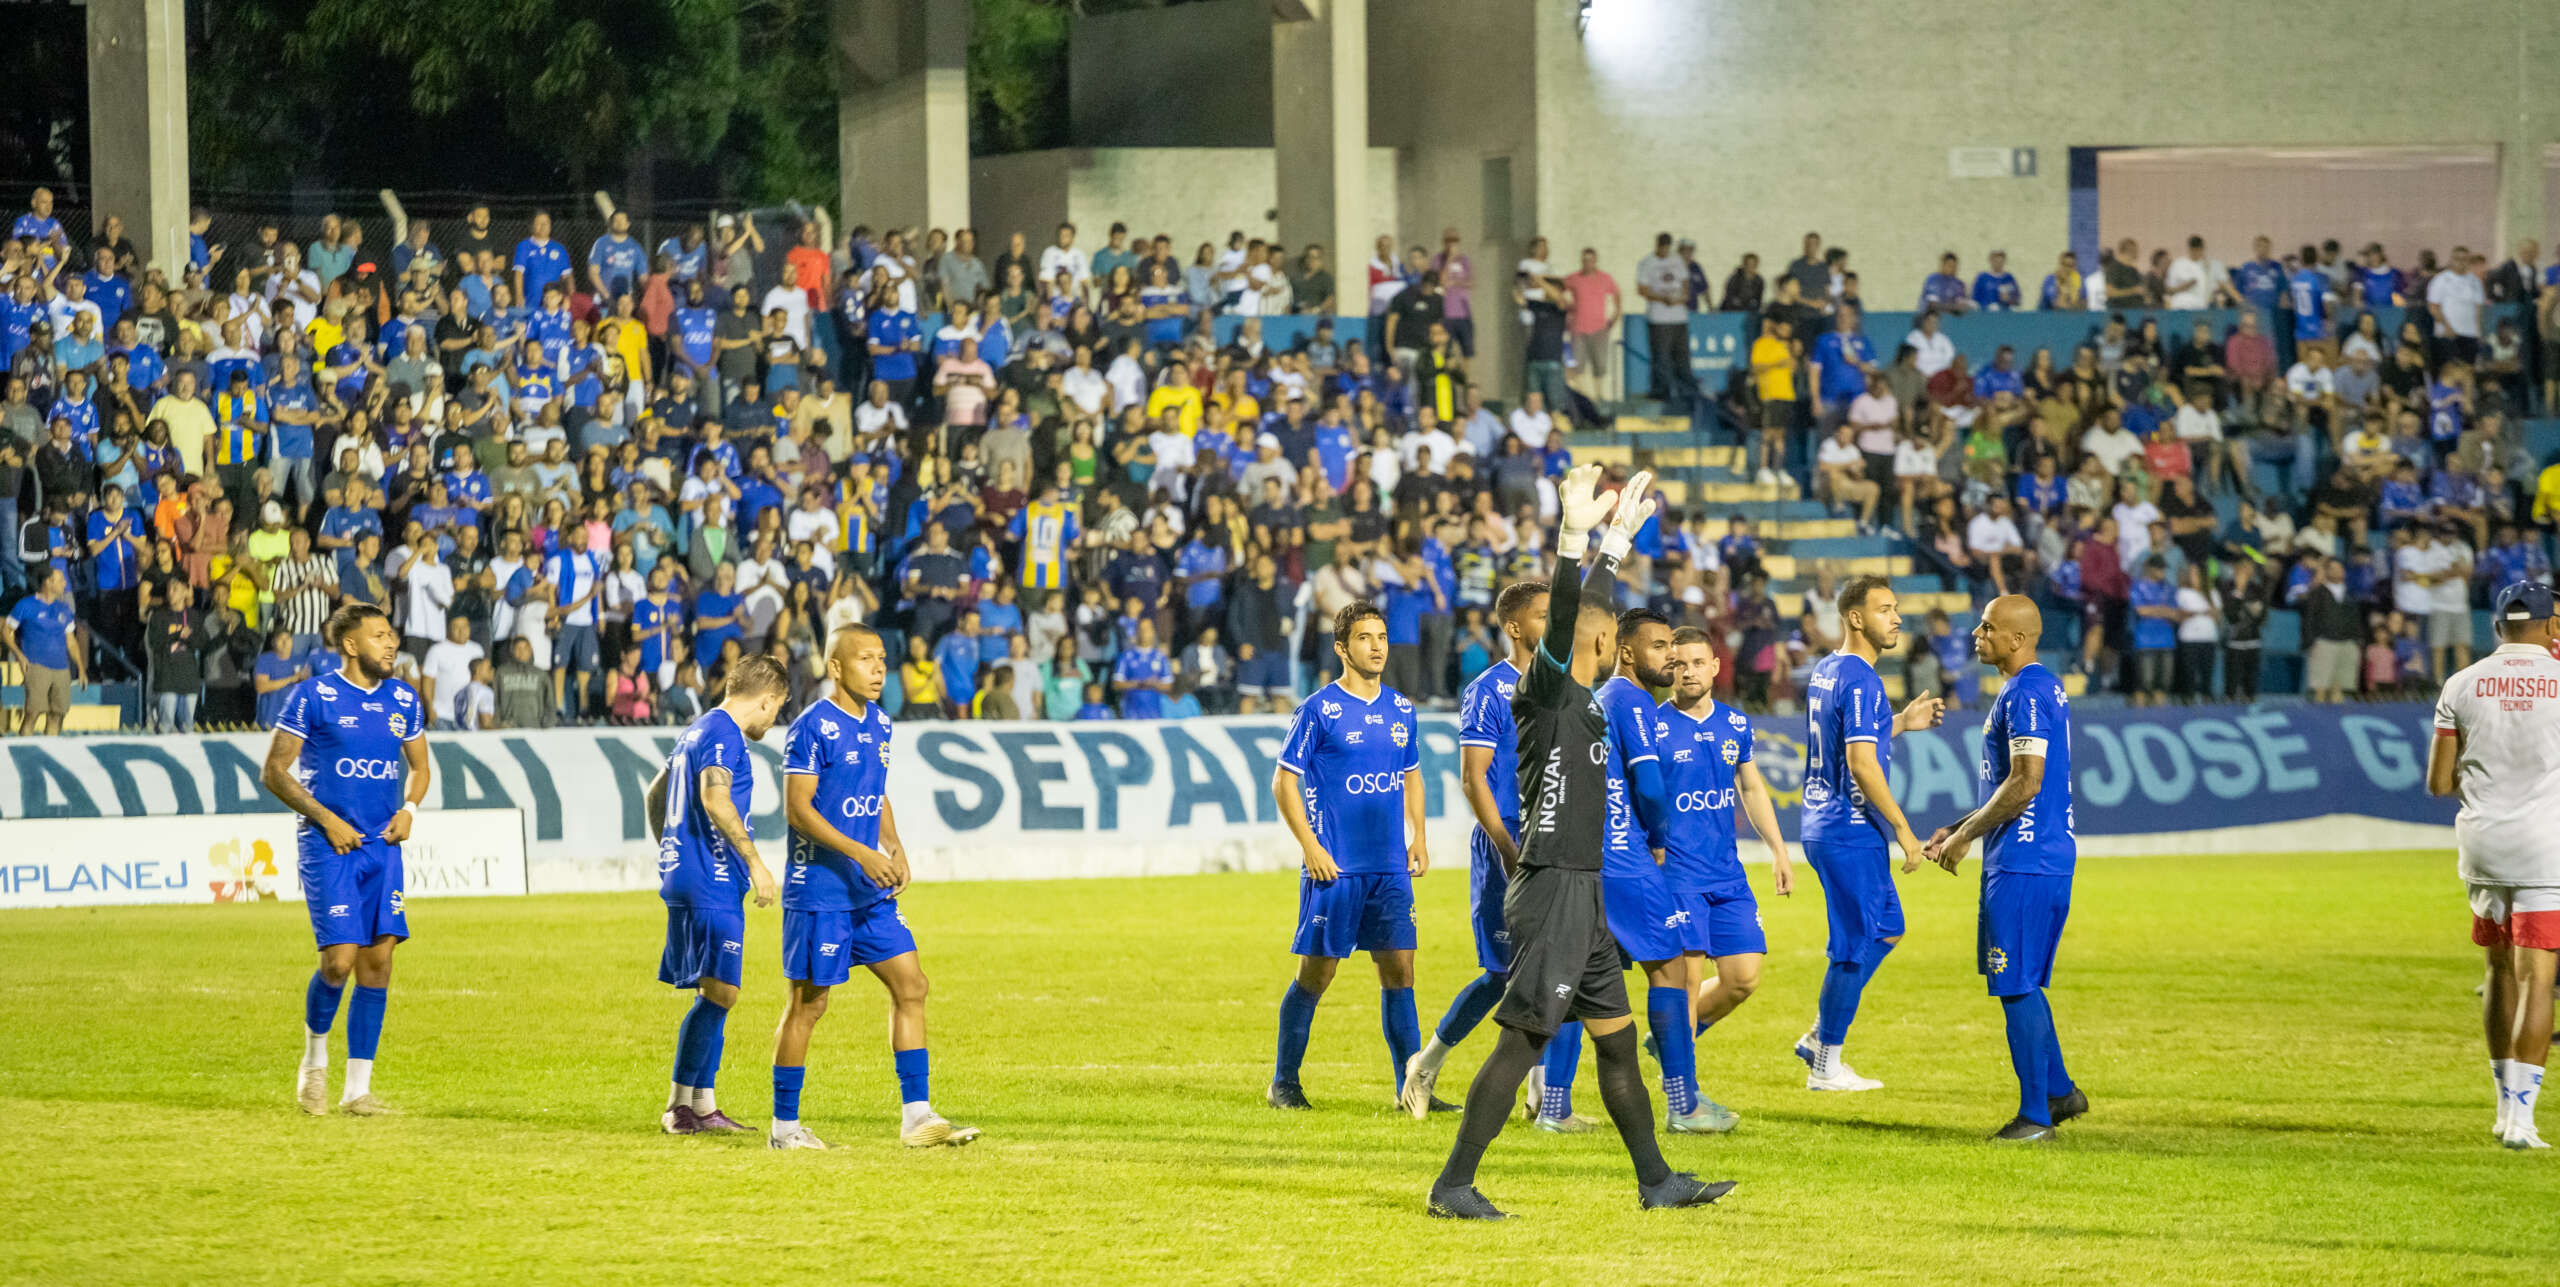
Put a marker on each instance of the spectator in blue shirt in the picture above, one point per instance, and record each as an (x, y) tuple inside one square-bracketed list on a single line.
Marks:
[(2307, 293), (688, 255), (539, 261), (1944, 290), (616, 263), (959, 655), (1142, 675), (2260, 279), (1843, 360), (2155, 632), (1994, 290)]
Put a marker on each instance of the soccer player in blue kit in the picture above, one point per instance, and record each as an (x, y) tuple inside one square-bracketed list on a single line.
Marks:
[(1349, 785), (698, 806), (1849, 814), (350, 756), (1708, 775), (1489, 777), (2028, 852), (840, 898)]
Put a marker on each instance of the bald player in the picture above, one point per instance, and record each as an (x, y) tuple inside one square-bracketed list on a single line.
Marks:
[(840, 892), (2028, 852)]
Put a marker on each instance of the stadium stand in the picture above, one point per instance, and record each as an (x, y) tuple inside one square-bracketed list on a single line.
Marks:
[(1111, 480)]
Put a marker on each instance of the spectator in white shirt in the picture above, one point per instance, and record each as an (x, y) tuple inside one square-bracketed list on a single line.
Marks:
[(1530, 422), (1915, 475), (2111, 443), (1429, 448), (1931, 350), (764, 579), (1843, 471), (2134, 515), (1993, 538), (2197, 282), (446, 671), (427, 588), (1127, 378), (2200, 429), (793, 301), (1064, 257), (2454, 298), (1082, 386), (877, 415)]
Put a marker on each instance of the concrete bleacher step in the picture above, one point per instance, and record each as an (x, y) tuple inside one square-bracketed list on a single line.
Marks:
[(1652, 424), (1810, 529), (1788, 568), (1843, 547)]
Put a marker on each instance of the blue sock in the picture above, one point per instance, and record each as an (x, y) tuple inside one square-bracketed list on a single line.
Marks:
[(1667, 1011), (364, 1021), (320, 1003), (1297, 1020), (2057, 1082), (1470, 1006), (1563, 1057), (914, 1075), (694, 1035), (2030, 1023), (1403, 1027), (1842, 985), (786, 1093), (709, 1072)]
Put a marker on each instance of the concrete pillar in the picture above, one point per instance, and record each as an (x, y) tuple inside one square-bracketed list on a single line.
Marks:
[(902, 116), (1320, 135), (138, 123), (2521, 212)]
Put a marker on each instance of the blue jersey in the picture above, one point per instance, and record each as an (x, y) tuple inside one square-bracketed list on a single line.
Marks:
[(694, 331), (1844, 703), (1138, 665), (1701, 757), (542, 263), (1351, 757), (2259, 281), (1484, 719), (696, 866), (1629, 710), (352, 738), (849, 756), (2032, 716), (2309, 290), (2381, 286)]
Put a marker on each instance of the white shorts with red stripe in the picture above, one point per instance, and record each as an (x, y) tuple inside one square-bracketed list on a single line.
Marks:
[(2516, 916)]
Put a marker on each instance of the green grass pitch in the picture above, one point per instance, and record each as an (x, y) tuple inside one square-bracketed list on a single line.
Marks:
[(2283, 1052)]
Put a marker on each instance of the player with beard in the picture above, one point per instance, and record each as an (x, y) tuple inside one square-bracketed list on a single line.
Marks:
[(350, 756), (1564, 961)]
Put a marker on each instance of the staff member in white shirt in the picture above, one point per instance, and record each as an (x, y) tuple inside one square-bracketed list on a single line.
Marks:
[(2497, 750)]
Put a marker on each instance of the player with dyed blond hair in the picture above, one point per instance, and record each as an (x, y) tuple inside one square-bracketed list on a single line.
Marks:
[(2497, 750)]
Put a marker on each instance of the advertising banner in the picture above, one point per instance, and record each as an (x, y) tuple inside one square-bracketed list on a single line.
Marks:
[(236, 858), (991, 801)]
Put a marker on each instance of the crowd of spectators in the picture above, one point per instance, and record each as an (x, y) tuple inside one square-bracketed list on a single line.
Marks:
[(2379, 483), (586, 484)]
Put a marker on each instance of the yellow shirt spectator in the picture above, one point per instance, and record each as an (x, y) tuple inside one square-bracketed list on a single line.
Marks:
[(1179, 397), (2546, 496), (1773, 364)]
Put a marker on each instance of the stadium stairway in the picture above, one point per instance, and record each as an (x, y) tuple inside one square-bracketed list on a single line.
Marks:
[(1696, 473)]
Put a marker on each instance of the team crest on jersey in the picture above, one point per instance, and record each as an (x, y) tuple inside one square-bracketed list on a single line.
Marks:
[(1733, 753), (1400, 735), (1995, 961), (399, 724)]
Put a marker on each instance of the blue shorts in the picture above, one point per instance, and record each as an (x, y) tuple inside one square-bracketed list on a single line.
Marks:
[(575, 648), (353, 897), (1732, 921), (1266, 674), (821, 948), (2021, 925), (1645, 921), (704, 943), (1365, 912), (1485, 888), (1859, 897)]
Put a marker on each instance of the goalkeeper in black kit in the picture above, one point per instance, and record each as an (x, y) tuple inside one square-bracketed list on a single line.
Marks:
[(1565, 963)]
